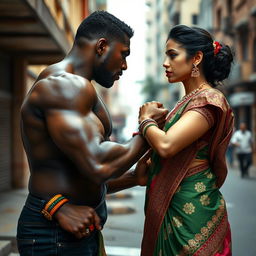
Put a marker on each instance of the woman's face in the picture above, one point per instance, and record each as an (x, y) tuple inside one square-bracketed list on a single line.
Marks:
[(178, 67)]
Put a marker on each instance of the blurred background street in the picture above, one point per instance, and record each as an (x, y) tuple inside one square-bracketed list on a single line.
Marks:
[(34, 34), (124, 228)]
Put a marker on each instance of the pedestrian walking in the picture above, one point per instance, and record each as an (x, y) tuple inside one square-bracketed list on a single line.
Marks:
[(230, 153), (185, 211), (243, 142)]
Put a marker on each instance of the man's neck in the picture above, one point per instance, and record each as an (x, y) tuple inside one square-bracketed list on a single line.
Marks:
[(80, 64)]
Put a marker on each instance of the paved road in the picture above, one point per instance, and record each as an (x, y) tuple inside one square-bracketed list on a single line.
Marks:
[(125, 230), (240, 194)]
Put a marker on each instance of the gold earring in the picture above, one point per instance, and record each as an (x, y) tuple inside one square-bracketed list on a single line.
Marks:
[(195, 71)]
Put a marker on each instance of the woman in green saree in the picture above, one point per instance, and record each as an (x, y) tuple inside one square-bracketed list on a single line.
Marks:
[(185, 211)]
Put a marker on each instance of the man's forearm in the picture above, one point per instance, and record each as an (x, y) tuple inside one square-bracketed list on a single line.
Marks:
[(122, 159), (125, 181)]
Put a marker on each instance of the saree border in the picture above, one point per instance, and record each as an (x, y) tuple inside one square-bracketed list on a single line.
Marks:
[(209, 240), (175, 169)]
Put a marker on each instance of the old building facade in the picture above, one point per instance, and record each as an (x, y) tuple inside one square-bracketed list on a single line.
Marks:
[(32, 34), (235, 25)]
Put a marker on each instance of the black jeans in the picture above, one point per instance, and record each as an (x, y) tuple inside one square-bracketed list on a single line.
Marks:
[(245, 160), (36, 236)]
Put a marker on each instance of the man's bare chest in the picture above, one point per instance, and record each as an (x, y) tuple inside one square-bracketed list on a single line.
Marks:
[(101, 112)]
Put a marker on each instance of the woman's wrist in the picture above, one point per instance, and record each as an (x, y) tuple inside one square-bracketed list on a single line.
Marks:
[(142, 118), (145, 124)]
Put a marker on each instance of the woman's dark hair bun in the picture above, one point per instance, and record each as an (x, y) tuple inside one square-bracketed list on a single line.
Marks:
[(216, 67)]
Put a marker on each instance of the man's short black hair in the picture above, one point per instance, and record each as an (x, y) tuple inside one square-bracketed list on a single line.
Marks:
[(103, 24)]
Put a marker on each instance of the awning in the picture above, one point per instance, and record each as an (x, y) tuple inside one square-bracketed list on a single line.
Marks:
[(28, 29)]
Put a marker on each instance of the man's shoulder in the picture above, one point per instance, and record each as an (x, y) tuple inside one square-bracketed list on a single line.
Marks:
[(64, 91), (62, 82), (65, 88)]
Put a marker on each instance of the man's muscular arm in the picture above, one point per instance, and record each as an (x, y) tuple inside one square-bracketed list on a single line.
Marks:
[(78, 133), (136, 177)]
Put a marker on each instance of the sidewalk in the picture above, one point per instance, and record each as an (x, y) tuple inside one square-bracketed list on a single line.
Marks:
[(121, 239), (124, 226), (235, 168)]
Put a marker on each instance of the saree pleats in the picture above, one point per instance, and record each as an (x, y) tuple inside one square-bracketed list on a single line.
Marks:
[(196, 215)]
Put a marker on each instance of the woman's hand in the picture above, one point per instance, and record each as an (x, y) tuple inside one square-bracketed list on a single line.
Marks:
[(154, 110), (141, 170)]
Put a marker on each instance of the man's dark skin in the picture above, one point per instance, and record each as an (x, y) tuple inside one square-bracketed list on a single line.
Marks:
[(66, 128)]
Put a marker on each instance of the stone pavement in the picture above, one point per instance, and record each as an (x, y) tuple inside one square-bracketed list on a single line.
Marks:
[(11, 203), (122, 232)]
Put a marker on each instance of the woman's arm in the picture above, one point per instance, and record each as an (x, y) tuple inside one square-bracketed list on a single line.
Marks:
[(191, 126)]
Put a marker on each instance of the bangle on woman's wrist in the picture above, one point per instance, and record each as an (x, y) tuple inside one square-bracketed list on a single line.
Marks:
[(146, 127), (145, 124), (53, 205)]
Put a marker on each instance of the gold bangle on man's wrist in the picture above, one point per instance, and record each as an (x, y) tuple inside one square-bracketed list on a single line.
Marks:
[(53, 205)]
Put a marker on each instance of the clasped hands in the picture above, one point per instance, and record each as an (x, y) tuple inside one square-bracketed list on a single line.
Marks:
[(82, 220), (149, 110), (153, 110)]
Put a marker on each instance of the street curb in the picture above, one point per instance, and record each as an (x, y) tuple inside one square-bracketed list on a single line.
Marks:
[(5, 247), (118, 196), (121, 210)]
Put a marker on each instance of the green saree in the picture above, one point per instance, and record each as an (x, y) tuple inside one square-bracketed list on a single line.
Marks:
[(185, 211)]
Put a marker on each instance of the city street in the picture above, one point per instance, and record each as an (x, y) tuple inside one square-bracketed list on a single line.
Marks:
[(240, 196), (79, 80), (125, 230)]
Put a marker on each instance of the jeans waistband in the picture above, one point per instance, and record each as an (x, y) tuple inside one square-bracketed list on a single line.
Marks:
[(35, 203), (38, 204)]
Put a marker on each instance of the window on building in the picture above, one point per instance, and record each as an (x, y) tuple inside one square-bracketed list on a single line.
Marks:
[(244, 44), (176, 18), (254, 55), (248, 116), (195, 19), (5, 73), (218, 20), (158, 15), (230, 7)]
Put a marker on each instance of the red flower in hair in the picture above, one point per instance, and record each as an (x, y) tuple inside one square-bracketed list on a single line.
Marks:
[(217, 47)]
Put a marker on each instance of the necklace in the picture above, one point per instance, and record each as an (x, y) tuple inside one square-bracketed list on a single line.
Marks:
[(184, 98)]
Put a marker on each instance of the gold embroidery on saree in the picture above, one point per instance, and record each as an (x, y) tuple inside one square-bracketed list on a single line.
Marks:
[(189, 208), (177, 221), (205, 200), (208, 175), (178, 189), (200, 187), (206, 232)]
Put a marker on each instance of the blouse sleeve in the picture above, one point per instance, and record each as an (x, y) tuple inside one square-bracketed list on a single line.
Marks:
[(207, 112), (207, 103)]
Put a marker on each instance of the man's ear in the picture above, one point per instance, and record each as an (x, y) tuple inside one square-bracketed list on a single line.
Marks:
[(198, 58), (101, 46)]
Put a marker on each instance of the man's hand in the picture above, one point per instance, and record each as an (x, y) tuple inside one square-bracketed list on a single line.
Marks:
[(154, 110), (78, 220), (141, 170)]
